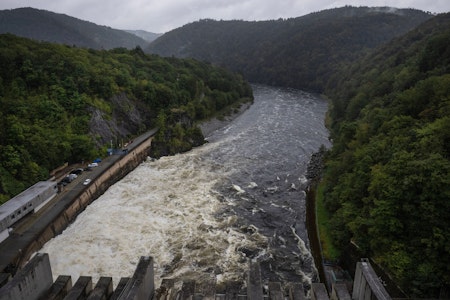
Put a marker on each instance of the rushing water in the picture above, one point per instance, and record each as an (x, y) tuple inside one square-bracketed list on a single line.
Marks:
[(205, 213)]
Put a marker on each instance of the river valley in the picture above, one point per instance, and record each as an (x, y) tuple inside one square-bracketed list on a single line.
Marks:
[(203, 214)]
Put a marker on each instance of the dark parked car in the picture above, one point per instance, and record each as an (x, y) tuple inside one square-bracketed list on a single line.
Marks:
[(77, 171)]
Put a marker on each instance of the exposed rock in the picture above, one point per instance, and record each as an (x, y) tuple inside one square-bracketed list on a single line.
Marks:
[(315, 165), (125, 120)]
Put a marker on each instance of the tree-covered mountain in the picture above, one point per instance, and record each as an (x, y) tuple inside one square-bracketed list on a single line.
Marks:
[(300, 52), (42, 25), (65, 104), (387, 181)]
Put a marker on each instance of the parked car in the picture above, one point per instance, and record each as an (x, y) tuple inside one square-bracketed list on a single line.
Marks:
[(93, 165), (87, 181), (71, 177), (77, 171)]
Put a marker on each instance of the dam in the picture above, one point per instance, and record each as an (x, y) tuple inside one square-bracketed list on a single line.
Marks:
[(35, 281)]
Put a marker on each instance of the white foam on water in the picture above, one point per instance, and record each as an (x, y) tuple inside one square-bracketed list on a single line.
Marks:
[(165, 209)]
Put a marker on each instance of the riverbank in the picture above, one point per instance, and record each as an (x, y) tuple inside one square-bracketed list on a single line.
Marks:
[(209, 126), (313, 174)]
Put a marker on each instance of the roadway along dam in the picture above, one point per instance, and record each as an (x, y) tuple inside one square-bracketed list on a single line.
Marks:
[(202, 214)]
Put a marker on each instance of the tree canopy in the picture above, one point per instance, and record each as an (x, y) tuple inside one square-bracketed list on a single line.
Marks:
[(54, 100), (388, 173), (298, 52)]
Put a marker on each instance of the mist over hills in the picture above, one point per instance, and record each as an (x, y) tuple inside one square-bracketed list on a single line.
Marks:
[(51, 27), (145, 35), (299, 52)]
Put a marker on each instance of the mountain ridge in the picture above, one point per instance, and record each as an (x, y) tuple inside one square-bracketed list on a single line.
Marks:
[(43, 25), (299, 52)]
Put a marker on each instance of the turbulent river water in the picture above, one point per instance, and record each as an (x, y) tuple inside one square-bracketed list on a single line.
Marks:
[(205, 213)]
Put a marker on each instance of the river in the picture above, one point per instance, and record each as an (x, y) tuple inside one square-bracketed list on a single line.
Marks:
[(205, 213)]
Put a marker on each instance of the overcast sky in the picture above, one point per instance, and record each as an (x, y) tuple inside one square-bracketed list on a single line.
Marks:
[(160, 16)]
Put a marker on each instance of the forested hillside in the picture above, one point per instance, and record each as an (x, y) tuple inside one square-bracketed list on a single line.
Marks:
[(42, 25), (64, 104), (300, 52), (387, 181)]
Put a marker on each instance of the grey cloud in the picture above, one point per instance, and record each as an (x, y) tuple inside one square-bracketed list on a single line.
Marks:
[(162, 16)]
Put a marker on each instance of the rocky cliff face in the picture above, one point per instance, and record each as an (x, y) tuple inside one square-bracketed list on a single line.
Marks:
[(125, 120)]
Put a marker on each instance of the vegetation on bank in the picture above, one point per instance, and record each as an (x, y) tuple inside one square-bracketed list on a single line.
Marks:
[(387, 176), (329, 251), (51, 94)]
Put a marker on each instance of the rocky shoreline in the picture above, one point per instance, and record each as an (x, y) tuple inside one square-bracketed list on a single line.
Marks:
[(209, 126)]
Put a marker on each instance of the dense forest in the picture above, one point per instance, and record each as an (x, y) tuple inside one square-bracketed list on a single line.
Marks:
[(299, 52), (64, 104), (387, 181), (43, 25)]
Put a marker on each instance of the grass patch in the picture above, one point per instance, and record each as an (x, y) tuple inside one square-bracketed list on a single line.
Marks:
[(329, 251)]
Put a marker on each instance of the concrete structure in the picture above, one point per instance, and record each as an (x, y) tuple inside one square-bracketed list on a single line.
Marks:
[(35, 282), (254, 284), (32, 282), (319, 292), (340, 292), (142, 285), (367, 285)]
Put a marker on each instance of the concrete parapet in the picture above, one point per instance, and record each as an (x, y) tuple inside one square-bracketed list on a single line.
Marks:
[(31, 282), (81, 289), (103, 289), (142, 284), (367, 285), (119, 288), (319, 292), (340, 292), (34, 281), (59, 288), (254, 284)]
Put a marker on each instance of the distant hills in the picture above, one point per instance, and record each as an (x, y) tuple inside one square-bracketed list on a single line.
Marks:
[(145, 35), (299, 52), (47, 26)]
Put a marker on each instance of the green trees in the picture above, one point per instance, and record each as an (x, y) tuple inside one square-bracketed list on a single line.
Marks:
[(49, 93), (303, 52), (388, 173)]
